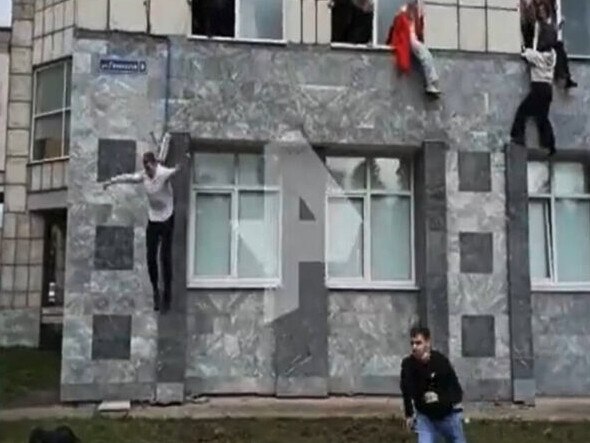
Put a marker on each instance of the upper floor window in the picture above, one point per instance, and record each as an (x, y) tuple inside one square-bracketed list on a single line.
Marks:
[(559, 222), (235, 221), (51, 111), (576, 29), (370, 230), (242, 19), (363, 21)]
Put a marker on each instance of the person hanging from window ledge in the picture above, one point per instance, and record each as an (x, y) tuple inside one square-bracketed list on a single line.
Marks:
[(562, 68), (406, 36), (538, 102), (156, 181)]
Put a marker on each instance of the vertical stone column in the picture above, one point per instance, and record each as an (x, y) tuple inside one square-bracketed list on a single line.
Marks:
[(22, 250), (519, 283), (172, 326), (431, 230)]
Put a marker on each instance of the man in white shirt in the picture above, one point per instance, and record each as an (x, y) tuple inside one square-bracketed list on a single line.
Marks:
[(156, 181)]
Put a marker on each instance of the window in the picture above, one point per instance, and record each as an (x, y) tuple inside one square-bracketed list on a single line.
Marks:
[(51, 113), (577, 26), (370, 221), (1, 210), (244, 19), (559, 222), (354, 21), (235, 220)]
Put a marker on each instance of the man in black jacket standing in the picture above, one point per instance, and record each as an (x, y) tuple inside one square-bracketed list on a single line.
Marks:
[(432, 393)]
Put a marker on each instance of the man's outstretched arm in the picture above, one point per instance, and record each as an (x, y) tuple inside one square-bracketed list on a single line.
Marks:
[(133, 178)]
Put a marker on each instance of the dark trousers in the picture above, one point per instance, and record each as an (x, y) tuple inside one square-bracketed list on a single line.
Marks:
[(160, 234), (562, 66), (536, 104)]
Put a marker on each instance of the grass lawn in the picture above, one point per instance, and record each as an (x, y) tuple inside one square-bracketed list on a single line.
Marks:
[(291, 431), (28, 377)]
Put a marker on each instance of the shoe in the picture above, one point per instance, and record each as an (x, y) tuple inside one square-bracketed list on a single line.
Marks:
[(569, 83), (433, 90)]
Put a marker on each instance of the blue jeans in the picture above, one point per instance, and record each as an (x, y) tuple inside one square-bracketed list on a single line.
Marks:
[(449, 428)]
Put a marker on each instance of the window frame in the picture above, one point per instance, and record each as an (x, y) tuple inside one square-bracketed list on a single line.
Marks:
[(232, 280), (373, 44), (552, 283), (64, 111), (366, 282), (561, 33), (237, 5)]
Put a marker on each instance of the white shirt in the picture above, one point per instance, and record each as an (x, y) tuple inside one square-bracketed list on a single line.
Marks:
[(157, 188)]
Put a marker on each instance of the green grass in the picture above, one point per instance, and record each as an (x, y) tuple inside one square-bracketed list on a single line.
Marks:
[(291, 431), (28, 376)]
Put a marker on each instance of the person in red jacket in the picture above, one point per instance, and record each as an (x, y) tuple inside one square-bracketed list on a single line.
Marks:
[(406, 37)]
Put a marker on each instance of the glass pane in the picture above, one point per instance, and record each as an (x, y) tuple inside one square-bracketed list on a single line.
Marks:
[(68, 84), (214, 18), (251, 169), (345, 237), (385, 13), (538, 178), (570, 178), (50, 89), (573, 240), (48, 142), (390, 174), (348, 173), (214, 169), (212, 235), (261, 19), (258, 232), (539, 239), (577, 27), (67, 134), (390, 238), (352, 21)]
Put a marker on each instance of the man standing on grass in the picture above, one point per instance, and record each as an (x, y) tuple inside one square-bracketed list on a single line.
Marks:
[(431, 391)]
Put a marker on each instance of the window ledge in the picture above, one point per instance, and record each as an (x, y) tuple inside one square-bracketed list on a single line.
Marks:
[(372, 286), (234, 284), (49, 160), (257, 41), (564, 288)]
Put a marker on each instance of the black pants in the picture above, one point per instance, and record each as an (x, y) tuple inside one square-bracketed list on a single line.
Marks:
[(562, 66), (160, 234), (536, 104)]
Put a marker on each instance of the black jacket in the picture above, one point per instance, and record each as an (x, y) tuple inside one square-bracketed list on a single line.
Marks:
[(435, 375)]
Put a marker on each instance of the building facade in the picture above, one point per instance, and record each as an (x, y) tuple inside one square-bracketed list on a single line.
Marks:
[(328, 205)]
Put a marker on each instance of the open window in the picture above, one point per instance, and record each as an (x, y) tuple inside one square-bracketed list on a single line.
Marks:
[(363, 22), (240, 19)]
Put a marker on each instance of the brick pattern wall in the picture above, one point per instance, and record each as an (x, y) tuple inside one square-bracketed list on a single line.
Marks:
[(53, 35)]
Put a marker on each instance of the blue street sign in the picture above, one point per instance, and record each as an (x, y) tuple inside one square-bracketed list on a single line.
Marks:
[(114, 66)]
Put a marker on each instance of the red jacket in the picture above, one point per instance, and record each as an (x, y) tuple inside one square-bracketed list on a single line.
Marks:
[(399, 38)]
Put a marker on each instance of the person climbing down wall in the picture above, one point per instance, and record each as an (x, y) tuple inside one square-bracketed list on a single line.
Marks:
[(406, 36), (156, 180), (538, 101)]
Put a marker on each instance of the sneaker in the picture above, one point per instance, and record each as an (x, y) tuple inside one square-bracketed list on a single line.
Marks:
[(433, 90)]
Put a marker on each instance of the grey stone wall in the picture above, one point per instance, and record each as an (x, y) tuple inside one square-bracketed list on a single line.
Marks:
[(110, 329), (368, 339), (245, 93), (561, 332)]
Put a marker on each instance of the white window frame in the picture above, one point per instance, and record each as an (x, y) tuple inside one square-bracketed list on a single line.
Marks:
[(233, 280), (373, 44), (551, 283), (66, 110), (366, 282), (237, 37)]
